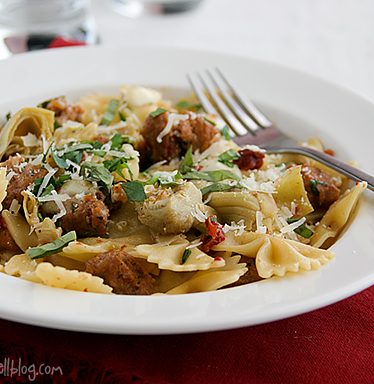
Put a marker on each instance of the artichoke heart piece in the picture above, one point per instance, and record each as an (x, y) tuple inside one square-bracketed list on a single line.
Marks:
[(168, 211), (235, 206), (37, 121)]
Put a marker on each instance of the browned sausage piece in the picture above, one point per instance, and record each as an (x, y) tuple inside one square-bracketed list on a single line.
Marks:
[(21, 180), (87, 217), (64, 111), (321, 188), (122, 272), (6, 240), (198, 133)]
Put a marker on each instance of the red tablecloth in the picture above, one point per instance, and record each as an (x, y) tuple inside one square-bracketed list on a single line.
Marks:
[(331, 345)]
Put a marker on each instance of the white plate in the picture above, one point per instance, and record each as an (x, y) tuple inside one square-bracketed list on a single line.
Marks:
[(301, 105)]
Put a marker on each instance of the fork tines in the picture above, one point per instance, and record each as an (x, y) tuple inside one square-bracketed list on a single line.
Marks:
[(220, 97)]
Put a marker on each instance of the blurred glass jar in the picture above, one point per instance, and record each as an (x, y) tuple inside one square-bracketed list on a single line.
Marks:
[(34, 24), (136, 8)]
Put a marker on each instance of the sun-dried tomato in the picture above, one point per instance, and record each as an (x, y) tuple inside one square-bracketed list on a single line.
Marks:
[(249, 159), (215, 234)]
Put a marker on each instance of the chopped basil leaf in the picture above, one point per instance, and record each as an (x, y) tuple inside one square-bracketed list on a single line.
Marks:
[(217, 175), (184, 104), (110, 112), (118, 140), (134, 190), (53, 247), (98, 173), (62, 179), (122, 117), (48, 190), (60, 162), (303, 230), (117, 165), (158, 112), (313, 185), (228, 157), (210, 121), (165, 179), (187, 162), (44, 104), (8, 116), (225, 133), (37, 184), (186, 254), (216, 187), (78, 147)]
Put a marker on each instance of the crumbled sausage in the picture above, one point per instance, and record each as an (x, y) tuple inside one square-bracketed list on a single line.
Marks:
[(198, 133), (64, 111), (321, 188), (122, 272), (87, 217), (24, 176), (6, 240), (249, 159)]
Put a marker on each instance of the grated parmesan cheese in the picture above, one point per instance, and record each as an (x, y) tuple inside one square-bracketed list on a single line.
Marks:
[(46, 179), (10, 175), (198, 214), (30, 140), (194, 244), (291, 227), (257, 186), (238, 228), (259, 224), (60, 205), (173, 119)]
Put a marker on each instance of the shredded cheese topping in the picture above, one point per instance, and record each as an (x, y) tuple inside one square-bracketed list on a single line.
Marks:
[(173, 119)]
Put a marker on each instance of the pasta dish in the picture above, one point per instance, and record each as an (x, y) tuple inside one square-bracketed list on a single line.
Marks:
[(133, 194)]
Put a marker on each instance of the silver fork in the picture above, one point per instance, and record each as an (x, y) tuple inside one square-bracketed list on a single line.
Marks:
[(248, 125)]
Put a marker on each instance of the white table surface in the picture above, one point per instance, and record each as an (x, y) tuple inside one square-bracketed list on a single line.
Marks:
[(333, 39)]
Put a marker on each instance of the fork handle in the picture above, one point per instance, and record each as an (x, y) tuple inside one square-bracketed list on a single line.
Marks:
[(339, 166)]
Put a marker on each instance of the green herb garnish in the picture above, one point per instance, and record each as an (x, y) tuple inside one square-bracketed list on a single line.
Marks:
[(302, 230), (98, 173), (48, 190), (210, 121), (8, 116), (62, 179), (60, 162), (52, 248), (186, 255), (187, 163), (313, 185), (122, 117), (118, 165), (216, 187), (184, 104), (158, 112), (134, 190), (218, 175), (228, 157), (110, 112), (225, 133)]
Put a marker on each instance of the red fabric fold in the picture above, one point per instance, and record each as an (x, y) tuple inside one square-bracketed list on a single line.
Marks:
[(330, 345)]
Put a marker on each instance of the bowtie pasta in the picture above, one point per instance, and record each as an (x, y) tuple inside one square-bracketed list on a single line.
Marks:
[(133, 194)]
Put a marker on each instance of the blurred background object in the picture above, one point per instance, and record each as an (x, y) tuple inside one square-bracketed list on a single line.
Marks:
[(135, 8), (26, 25)]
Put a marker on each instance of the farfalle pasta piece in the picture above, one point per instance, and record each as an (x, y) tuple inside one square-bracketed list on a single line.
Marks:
[(46, 231), (337, 216), (59, 277), (170, 257), (290, 189), (3, 185), (212, 279), (36, 121), (30, 208), (80, 251), (20, 265), (275, 255)]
